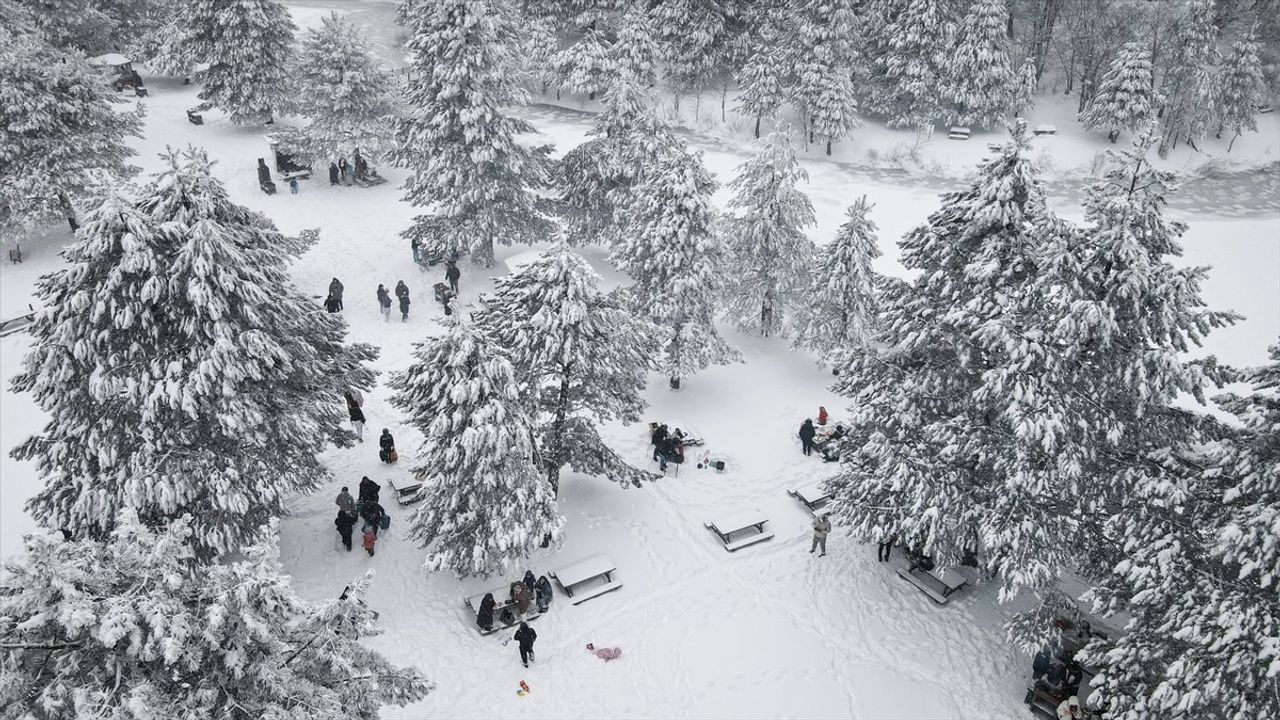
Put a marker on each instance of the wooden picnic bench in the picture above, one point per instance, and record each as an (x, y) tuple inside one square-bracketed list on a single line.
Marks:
[(502, 601), (406, 490), (958, 133), (579, 579), (813, 497), (939, 587), (1045, 130), (726, 526)]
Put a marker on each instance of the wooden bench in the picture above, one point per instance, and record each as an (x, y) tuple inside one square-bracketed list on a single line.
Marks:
[(813, 497), (502, 601), (17, 324), (742, 521), (300, 174), (938, 587), (958, 133), (1045, 130), (406, 490), (195, 118), (578, 579)]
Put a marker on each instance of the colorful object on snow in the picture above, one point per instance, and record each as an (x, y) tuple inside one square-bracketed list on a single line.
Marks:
[(605, 654), (822, 415), (524, 689)]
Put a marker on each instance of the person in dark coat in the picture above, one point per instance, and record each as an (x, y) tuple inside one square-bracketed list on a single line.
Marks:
[(344, 170), (333, 173), (520, 596), (346, 522), (335, 289), (372, 512), (417, 250), (384, 303), (402, 292), (484, 618), (530, 582), (293, 185), (452, 273), (331, 304), (368, 490), (658, 438), (884, 548), (525, 636), (807, 432), (357, 420), (544, 593), (386, 444)]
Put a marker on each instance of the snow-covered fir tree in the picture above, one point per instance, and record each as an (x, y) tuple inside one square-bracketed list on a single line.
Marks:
[(762, 78), (181, 370), (690, 34), (1024, 97), (486, 500), (598, 178), (671, 250), (59, 132), (246, 48), (466, 168), (581, 357), (1187, 85), (1240, 88), (823, 67), (167, 49), (538, 45), (137, 628), (770, 257), (344, 92), (981, 83), (950, 445), (839, 308), (915, 64), (585, 66), (1125, 99), (636, 52)]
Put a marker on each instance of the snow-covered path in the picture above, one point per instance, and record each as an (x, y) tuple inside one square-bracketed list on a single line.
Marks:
[(769, 631)]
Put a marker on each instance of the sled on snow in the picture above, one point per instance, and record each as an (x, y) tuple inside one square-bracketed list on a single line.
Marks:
[(502, 601), (406, 490), (937, 586), (587, 578), (813, 497), (747, 525)]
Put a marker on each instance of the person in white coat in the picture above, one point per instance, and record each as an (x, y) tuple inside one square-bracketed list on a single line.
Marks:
[(1070, 709)]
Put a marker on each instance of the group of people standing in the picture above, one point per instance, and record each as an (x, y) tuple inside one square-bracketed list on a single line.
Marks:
[(343, 172), (523, 594), (368, 509), (384, 301)]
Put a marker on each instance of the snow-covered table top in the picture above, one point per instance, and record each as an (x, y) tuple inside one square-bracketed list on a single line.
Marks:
[(584, 569), (109, 59), (812, 493), (732, 522)]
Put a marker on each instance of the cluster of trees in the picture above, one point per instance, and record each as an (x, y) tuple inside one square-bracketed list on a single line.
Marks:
[(1015, 401), (189, 387)]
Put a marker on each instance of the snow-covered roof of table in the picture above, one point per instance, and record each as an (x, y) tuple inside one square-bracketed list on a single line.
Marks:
[(109, 59)]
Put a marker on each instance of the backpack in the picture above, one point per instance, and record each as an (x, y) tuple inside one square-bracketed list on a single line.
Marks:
[(392, 455), (507, 618), (385, 522)]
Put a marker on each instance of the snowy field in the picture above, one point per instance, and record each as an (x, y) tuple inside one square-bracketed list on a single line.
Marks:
[(769, 631)]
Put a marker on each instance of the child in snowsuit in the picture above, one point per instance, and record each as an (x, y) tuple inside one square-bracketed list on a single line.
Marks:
[(402, 292), (370, 540), (386, 446), (821, 528), (807, 432), (484, 618), (543, 589), (525, 636), (384, 303), (345, 522)]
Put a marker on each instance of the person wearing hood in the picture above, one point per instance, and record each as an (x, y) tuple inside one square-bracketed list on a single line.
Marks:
[(369, 490), (484, 618), (530, 581), (402, 293), (544, 593), (525, 637), (345, 522), (386, 447), (807, 433), (335, 289), (384, 303)]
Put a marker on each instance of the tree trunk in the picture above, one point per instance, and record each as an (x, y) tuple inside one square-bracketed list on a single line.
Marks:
[(724, 98), (69, 211), (1042, 33), (757, 127), (555, 454), (828, 146)]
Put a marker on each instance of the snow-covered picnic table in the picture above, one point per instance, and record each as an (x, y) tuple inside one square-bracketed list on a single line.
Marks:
[(502, 601), (812, 496), (725, 525), (576, 579)]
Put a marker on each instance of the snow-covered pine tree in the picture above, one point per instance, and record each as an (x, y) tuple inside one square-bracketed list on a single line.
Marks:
[(167, 48), (58, 127), (636, 53), (598, 178), (981, 85), (1125, 99), (1025, 93), (486, 500), (839, 309), (246, 47), (466, 166), (538, 46), (769, 255), (824, 67), (690, 34), (953, 412), (71, 25), (581, 357), (137, 628), (585, 66), (344, 92), (671, 250), (181, 370), (915, 64), (1187, 85), (762, 78), (1240, 88)]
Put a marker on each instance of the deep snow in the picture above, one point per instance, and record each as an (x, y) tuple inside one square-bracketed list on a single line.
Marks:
[(768, 631)]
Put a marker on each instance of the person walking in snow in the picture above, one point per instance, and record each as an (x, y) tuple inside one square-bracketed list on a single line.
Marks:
[(452, 273), (368, 490), (885, 548), (384, 303), (331, 304), (520, 596), (357, 420), (335, 289), (821, 528), (371, 513), (484, 618), (293, 185), (416, 247), (345, 502), (344, 169), (370, 539), (807, 433), (525, 636), (346, 522), (386, 447), (543, 589), (333, 173), (402, 292)]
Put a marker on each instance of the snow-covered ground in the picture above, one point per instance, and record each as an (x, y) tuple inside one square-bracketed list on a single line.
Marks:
[(769, 631)]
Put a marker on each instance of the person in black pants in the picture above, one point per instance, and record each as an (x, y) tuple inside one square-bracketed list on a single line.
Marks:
[(525, 636), (345, 522), (452, 273), (807, 433), (884, 549), (386, 446)]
